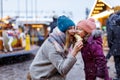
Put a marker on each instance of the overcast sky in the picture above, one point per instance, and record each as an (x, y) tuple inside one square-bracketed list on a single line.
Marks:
[(77, 7)]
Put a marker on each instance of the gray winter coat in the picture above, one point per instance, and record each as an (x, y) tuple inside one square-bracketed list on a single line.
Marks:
[(49, 63)]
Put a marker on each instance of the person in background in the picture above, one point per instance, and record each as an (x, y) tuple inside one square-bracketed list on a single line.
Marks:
[(53, 24), (92, 51), (52, 61), (113, 35), (98, 24), (104, 36)]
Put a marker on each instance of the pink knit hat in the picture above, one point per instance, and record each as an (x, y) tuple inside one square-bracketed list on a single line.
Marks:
[(87, 25)]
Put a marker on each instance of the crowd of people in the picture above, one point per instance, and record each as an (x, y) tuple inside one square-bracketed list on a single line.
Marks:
[(57, 55)]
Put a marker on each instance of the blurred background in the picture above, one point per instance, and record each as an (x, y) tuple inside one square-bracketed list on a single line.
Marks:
[(35, 9), (30, 22)]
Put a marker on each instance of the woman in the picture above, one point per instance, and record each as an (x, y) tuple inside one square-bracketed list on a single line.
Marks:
[(92, 52), (54, 59)]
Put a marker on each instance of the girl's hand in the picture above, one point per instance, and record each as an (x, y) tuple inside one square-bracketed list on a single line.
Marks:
[(77, 48)]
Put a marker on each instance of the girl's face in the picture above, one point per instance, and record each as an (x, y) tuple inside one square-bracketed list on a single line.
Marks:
[(81, 32)]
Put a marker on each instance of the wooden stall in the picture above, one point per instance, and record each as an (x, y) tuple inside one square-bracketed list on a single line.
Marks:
[(100, 12), (38, 31)]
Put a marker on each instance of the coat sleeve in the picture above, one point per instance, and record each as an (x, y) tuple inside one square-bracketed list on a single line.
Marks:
[(62, 64), (109, 33), (100, 61)]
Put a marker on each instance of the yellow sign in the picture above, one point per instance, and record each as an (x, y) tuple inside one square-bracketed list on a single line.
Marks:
[(2, 24), (37, 25), (27, 42)]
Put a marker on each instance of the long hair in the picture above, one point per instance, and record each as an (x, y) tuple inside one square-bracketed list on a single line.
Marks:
[(68, 42)]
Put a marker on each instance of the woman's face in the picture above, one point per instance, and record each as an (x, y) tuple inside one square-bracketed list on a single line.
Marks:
[(71, 32), (81, 32)]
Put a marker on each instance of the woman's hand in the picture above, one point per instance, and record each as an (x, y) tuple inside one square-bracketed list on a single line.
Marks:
[(77, 48)]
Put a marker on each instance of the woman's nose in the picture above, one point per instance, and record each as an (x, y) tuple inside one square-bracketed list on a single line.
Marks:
[(73, 30), (76, 31)]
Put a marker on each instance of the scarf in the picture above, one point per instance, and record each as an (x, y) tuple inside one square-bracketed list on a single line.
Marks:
[(58, 39)]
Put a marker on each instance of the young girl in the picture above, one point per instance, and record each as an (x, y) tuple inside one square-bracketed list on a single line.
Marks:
[(92, 51)]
